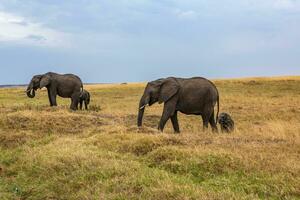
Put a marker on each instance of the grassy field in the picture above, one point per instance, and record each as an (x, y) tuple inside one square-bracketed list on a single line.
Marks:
[(54, 153)]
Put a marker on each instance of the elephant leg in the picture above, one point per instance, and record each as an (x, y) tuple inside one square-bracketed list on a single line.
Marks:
[(74, 101), (205, 120), (206, 116), (54, 100), (167, 113), (212, 123), (175, 122), (73, 104), (52, 95), (49, 97), (163, 121), (85, 104), (80, 102)]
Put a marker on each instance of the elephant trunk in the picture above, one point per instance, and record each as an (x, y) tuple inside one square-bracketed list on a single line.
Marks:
[(143, 103), (140, 116), (30, 91)]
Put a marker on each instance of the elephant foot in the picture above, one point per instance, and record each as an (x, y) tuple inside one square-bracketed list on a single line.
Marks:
[(160, 130), (215, 130)]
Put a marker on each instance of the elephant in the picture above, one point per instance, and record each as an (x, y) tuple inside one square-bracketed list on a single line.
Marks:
[(226, 122), (63, 85), (84, 97), (191, 96)]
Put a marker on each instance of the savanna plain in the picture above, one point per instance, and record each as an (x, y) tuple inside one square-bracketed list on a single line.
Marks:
[(54, 153)]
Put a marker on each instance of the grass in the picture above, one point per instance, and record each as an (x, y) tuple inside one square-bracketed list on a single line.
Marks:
[(55, 153)]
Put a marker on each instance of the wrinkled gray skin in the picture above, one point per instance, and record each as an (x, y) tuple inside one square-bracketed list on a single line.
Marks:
[(191, 96), (66, 86), (84, 97)]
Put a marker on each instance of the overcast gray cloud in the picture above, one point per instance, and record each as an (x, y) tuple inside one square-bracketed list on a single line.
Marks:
[(137, 40)]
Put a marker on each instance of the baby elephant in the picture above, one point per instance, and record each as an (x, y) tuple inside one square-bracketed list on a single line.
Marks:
[(84, 97), (226, 122)]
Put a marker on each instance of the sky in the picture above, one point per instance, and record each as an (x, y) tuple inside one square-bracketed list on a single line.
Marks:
[(105, 41)]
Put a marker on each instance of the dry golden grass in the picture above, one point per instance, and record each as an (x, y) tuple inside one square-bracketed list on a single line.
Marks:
[(55, 153)]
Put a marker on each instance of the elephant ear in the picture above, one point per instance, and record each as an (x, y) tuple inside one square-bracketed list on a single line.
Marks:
[(45, 80), (168, 89)]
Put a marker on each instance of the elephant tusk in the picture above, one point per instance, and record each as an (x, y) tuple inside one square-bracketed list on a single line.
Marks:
[(143, 106)]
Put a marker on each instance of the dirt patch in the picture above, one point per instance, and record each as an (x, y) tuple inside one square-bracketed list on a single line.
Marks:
[(30, 107), (148, 120), (60, 123)]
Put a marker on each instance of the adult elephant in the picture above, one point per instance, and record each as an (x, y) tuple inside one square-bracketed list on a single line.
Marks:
[(63, 85), (191, 96)]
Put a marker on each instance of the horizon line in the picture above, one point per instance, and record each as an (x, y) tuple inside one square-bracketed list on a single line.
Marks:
[(213, 79)]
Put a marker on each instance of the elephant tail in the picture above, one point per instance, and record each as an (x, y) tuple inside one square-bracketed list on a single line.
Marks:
[(218, 102)]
